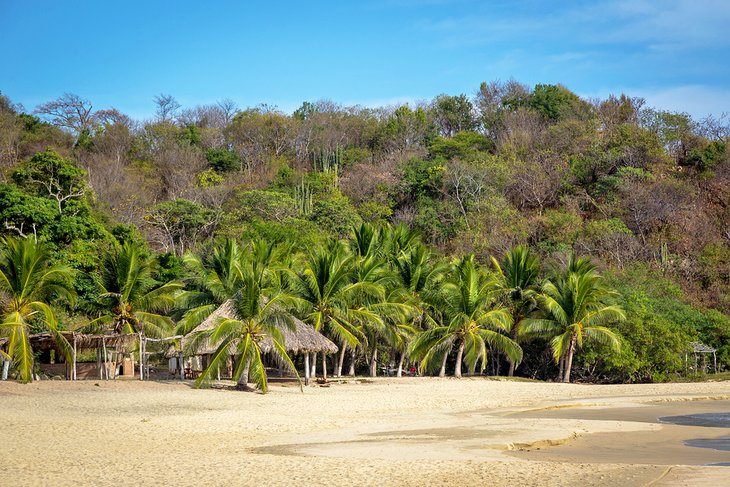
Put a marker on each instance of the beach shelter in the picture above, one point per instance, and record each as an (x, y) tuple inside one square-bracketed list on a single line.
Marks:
[(303, 340), (109, 348)]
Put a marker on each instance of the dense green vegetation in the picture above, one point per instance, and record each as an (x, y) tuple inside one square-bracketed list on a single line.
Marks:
[(179, 199)]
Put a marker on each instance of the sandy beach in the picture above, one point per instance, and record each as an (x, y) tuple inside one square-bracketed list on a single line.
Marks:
[(411, 431)]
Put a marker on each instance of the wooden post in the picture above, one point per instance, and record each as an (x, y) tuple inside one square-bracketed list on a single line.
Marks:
[(180, 361), (141, 359), (73, 372), (106, 363), (306, 368), (324, 365), (313, 372)]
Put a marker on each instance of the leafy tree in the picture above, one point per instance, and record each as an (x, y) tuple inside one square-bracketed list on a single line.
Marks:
[(180, 223), (553, 101), (29, 284), (222, 160), (453, 114)]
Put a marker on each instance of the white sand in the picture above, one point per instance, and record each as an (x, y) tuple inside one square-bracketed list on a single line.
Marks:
[(416, 431)]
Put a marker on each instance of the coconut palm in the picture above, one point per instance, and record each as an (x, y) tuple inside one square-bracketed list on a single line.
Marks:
[(214, 279), (517, 281), (131, 301), (418, 274), (28, 283), (576, 308), (470, 319), (261, 312)]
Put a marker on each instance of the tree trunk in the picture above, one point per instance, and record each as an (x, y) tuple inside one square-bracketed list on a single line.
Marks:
[(352, 362), (400, 364), (374, 363), (313, 360), (442, 372), (324, 366), (569, 359), (6, 368), (243, 380), (306, 369), (459, 356), (341, 361), (561, 367)]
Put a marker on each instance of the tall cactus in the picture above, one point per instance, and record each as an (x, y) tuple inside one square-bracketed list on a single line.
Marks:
[(304, 198)]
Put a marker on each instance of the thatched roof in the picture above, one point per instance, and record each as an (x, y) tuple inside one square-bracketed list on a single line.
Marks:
[(304, 339), (46, 341)]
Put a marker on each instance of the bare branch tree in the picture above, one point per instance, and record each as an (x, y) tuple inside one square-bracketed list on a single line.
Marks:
[(167, 105), (70, 112)]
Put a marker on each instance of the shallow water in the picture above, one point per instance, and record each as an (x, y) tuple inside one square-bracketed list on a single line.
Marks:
[(714, 420)]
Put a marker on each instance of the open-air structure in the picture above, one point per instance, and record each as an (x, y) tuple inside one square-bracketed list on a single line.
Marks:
[(699, 352), (303, 340)]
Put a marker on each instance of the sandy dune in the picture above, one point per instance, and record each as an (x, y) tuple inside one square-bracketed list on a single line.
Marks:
[(415, 431)]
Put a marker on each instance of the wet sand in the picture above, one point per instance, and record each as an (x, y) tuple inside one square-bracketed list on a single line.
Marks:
[(412, 431), (661, 446)]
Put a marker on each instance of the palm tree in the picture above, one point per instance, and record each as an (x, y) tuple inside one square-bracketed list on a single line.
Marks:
[(418, 274), (517, 280), (470, 319), (261, 312), (214, 280), (28, 283), (130, 299), (576, 309)]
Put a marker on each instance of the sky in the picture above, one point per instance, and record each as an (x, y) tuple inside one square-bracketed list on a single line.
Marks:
[(673, 53)]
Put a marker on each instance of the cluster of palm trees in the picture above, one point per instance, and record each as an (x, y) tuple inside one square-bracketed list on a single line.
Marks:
[(382, 289)]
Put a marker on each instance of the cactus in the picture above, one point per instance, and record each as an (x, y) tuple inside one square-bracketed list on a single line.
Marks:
[(304, 198)]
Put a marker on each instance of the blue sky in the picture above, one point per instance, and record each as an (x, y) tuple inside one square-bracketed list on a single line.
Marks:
[(674, 53)]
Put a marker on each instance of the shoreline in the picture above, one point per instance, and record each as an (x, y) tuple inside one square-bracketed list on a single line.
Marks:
[(409, 431)]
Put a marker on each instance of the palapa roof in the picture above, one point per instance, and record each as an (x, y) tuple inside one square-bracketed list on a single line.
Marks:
[(46, 341), (698, 347), (303, 339)]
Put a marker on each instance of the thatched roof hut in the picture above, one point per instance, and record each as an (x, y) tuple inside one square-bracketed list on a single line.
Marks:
[(304, 339), (46, 341)]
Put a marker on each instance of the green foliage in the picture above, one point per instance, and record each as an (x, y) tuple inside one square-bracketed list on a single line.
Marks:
[(222, 160), (422, 178), (262, 204), (29, 283), (708, 157), (553, 101), (47, 174), (335, 215), (209, 178), (461, 145)]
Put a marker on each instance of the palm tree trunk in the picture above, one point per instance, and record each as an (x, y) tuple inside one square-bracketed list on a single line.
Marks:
[(561, 368), (352, 362), (442, 372), (400, 364), (511, 372), (459, 356), (243, 380), (341, 361), (6, 368), (374, 363), (569, 359)]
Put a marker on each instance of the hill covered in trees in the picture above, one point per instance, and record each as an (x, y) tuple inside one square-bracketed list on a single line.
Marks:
[(645, 193)]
